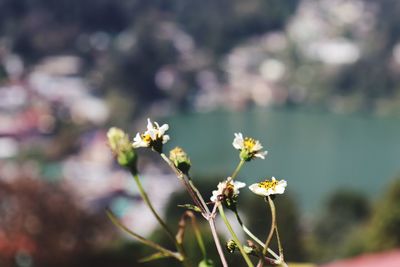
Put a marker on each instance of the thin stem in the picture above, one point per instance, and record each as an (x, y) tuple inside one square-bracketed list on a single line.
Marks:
[(199, 196), (221, 254), (198, 199), (273, 224), (234, 236), (148, 203), (238, 167), (190, 188), (197, 233), (141, 239), (251, 235)]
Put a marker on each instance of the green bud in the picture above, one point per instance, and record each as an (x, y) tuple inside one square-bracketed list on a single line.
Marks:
[(122, 148), (231, 246), (206, 263), (246, 155), (180, 159)]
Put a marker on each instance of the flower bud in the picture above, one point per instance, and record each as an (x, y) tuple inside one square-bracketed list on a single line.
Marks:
[(231, 246), (119, 144), (180, 159)]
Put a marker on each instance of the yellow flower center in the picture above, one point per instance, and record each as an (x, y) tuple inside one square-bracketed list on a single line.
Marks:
[(146, 138), (268, 184), (229, 189), (249, 143)]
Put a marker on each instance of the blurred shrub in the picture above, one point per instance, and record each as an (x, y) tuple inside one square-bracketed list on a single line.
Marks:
[(343, 213), (382, 231), (42, 225)]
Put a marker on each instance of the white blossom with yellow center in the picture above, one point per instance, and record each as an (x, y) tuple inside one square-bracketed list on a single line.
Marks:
[(267, 187), (154, 133), (227, 188), (249, 147)]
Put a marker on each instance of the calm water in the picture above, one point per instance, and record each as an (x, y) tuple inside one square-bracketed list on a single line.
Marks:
[(316, 153)]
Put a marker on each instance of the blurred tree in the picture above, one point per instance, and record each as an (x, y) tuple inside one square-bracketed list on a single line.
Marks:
[(42, 225), (384, 227), (343, 213)]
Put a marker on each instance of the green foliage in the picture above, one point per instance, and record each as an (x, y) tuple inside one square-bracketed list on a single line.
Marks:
[(344, 211), (384, 226)]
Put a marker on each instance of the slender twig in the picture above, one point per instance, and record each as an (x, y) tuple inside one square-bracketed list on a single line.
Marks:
[(251, 235), (274, 227), (197, 232), (198, 199), (273, 223), (189, 186), (146, 199), (234, 236), (238, 167), (141, 239)]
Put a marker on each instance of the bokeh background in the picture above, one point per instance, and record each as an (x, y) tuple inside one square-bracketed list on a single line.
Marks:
[(317, 82)]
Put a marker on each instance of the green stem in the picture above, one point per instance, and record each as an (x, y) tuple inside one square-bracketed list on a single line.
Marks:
[(234, 236), (199, 199), (141, 239), (273, 224), (251, 235), (198, 235), (238, 167), (148, 203), (198, 194), (146, 199), (190, 188)]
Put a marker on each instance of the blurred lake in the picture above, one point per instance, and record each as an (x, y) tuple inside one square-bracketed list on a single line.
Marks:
[(317, 153)]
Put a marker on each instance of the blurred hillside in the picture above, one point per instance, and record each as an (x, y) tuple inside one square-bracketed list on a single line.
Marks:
[(191, 55)]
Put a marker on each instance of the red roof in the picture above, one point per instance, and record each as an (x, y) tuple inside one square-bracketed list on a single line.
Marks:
[(384, 259)]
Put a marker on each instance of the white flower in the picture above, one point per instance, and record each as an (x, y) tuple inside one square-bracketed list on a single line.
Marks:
[(267, 187), (227, 188), (153, 137), (249, 148)]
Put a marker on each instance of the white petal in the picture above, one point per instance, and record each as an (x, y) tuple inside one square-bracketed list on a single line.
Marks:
[(238, 141), (149, 124), (163, 129), (257, 146), (238, 184), (258, 190), (214, 196), (165, 138), (138, 142), (280, 188), (261, 154), (152, 133)]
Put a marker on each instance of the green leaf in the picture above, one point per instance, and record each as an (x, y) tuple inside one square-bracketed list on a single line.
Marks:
[(155, 256), (206, 263), (190, 207)]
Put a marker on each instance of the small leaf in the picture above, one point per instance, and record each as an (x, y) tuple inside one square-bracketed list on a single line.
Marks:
[(153, 257), (206, 263), (247, 249), (190, 207)]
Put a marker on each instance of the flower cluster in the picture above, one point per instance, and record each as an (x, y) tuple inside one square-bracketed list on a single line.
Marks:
[(249, 148), (225, 196), (227, 192), (154, 137), (267, 187)]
